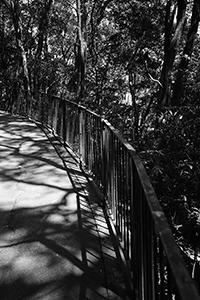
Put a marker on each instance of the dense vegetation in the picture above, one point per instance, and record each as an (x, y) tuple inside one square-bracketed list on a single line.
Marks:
[(136, 62)]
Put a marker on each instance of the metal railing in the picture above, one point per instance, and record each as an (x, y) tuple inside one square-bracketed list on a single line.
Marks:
[(155, 262)]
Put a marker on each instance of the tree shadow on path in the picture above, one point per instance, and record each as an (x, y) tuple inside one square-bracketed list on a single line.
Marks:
[(55, 241)]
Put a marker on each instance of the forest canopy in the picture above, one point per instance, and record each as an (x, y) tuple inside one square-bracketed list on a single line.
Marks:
[(135, 62), (131, 58)]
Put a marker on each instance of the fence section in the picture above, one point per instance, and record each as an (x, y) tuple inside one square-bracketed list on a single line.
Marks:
[(155, 263)]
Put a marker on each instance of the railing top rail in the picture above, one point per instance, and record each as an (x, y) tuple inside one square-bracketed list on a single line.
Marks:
[(126, 144), (74, 103), (184, 282)]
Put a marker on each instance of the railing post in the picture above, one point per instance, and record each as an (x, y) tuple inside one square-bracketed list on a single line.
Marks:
[(18, 104), (156, 266), (133, 221), (43, 96), (104, 160), (50, 113), (55, 113), (63, 120), (81, 135)]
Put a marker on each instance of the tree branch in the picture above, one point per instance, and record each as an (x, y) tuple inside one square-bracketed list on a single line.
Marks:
[(153, 79)]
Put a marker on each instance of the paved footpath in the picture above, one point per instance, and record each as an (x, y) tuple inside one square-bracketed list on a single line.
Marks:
[(56, 242)]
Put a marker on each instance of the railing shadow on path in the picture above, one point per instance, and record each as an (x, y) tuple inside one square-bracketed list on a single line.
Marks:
[(55, 238)]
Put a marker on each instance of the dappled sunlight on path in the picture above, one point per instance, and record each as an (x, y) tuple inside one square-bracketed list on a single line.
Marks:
[(55, 237)]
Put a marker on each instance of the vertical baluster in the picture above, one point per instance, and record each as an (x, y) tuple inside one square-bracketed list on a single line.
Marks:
[(156, 266), (98, 153), (123, 200), (104, 159), (84, 137), (74, 125), (149, 253), (145, 244), (87, 132), (133, 222), (67, 122), (152, 259), (116, 174), (118, 187), (42, 109), (112, 178), (91, 143), (55, 115), (162, 271), (94, 147), (137, 253), (81, 135), (64, 120), (126, 205), (50, 111), (170, 288), (142, 263)]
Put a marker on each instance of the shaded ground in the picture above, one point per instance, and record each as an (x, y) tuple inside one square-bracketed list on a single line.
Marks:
[(55, 239)]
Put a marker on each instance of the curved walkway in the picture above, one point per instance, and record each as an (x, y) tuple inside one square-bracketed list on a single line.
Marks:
[(56, 241)]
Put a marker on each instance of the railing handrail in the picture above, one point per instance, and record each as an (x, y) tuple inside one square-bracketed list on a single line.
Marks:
[(72, 102), (146, 234), (162, 225), (184, 281), (160, 220)]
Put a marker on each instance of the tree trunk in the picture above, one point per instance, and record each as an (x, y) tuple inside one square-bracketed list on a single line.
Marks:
[(187, 53), (170, 47), (132, 84), (18, 32), (41, 47), (43, 26), (81, 49), (14, 10)]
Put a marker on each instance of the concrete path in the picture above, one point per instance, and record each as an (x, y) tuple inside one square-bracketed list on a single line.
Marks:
[(56, 241)]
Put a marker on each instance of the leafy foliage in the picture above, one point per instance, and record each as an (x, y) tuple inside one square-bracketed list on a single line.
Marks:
[(174, 168)]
